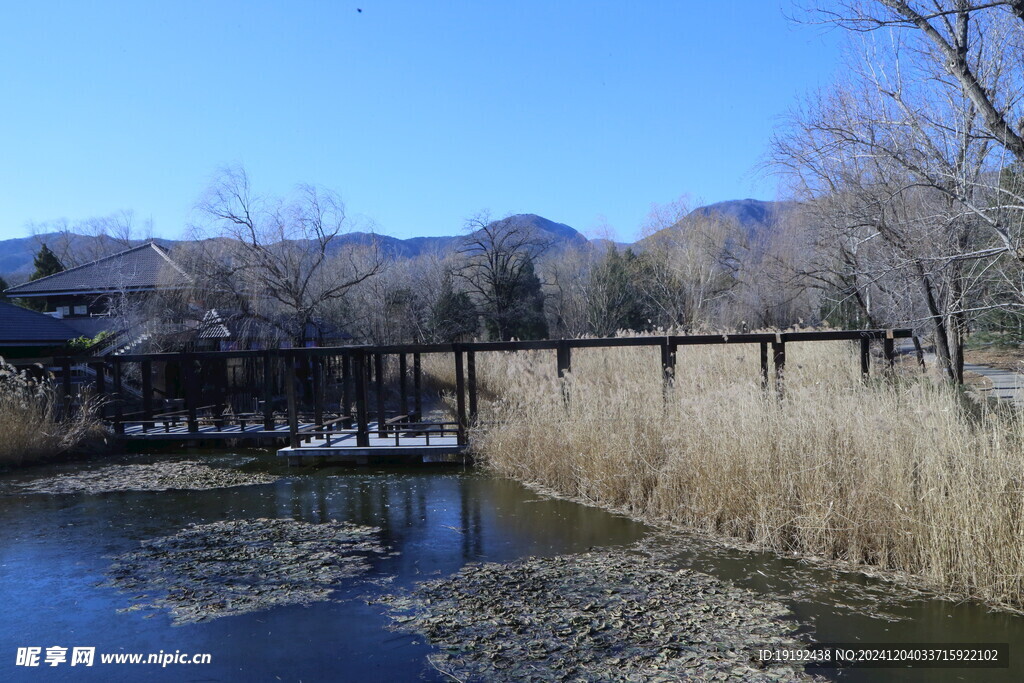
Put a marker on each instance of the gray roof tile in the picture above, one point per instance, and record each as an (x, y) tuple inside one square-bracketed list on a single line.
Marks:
[(21, 326), (146, 266)]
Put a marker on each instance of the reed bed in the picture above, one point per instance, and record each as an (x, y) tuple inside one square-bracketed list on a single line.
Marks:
[(30, 429), (900, 474)]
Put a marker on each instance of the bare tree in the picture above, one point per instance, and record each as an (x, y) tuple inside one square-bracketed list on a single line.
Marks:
[(498, 269), (907, 155), (690, 265), (567, 290), (79, 242), (278, 261)]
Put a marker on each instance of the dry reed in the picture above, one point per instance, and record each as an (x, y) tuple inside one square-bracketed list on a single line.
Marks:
[(903, 475), (30, 429)]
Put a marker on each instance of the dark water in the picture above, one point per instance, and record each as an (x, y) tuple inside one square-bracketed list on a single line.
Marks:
[(55, 550)]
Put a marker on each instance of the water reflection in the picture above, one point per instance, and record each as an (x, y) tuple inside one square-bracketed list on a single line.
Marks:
[(55, 549)]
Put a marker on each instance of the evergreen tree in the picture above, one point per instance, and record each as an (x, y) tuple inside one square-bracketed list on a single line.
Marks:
[(453, 316), (3, 286), (498, 271), (525, 317), (46, 263)]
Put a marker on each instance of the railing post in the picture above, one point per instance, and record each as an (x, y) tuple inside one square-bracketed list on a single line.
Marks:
[(471, 381), (362, 419), (378, 372), (460, 395), (268, 392), (293, 411), (191, 392), (118, 400), (889, 351), (417, 376)]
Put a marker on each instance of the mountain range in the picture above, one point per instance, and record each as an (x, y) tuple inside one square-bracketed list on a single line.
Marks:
[(755, 216)]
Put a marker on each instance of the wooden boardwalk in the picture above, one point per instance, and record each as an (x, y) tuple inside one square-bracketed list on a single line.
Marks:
[(361, 403), (428, 442)]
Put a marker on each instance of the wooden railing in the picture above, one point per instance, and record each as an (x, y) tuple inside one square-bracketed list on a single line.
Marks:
[(355, 369)]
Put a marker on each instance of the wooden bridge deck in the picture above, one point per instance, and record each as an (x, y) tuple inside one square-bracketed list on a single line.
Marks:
[(432, 447)]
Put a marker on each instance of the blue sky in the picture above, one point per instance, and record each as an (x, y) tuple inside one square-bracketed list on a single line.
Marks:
[(418, 113)]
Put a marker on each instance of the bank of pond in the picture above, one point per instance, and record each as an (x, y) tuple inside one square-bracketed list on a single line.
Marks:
[(414, 574)]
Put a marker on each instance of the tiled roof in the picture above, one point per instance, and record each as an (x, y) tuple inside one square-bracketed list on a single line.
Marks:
[(146, 266), (20, 326), (214, 326)]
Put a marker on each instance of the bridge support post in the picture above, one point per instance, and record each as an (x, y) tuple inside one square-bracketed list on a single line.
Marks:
[(417, 394), (378, 373), (146, 369), (362, 420), (268, 392), (316, 364), (403, 389), (865, 358), (564, 358), (346, 388), (668, 361), (191, 392), (118, 398), (471, 382), (221, 387), (293, 411), (460, 396), (764, 365), (779, 355), (101, 387)]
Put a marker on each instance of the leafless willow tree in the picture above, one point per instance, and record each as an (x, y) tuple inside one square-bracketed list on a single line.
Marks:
[(903, 162), (407, 303), (279, 262)]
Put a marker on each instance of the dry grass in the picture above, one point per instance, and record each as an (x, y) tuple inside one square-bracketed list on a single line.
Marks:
[(902, 475), (29, 428)]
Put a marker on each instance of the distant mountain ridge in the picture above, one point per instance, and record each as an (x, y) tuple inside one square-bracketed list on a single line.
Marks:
[(756, 217), (16, 254)]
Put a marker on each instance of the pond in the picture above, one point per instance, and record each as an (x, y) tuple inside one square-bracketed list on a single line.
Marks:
[(57, 551)]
